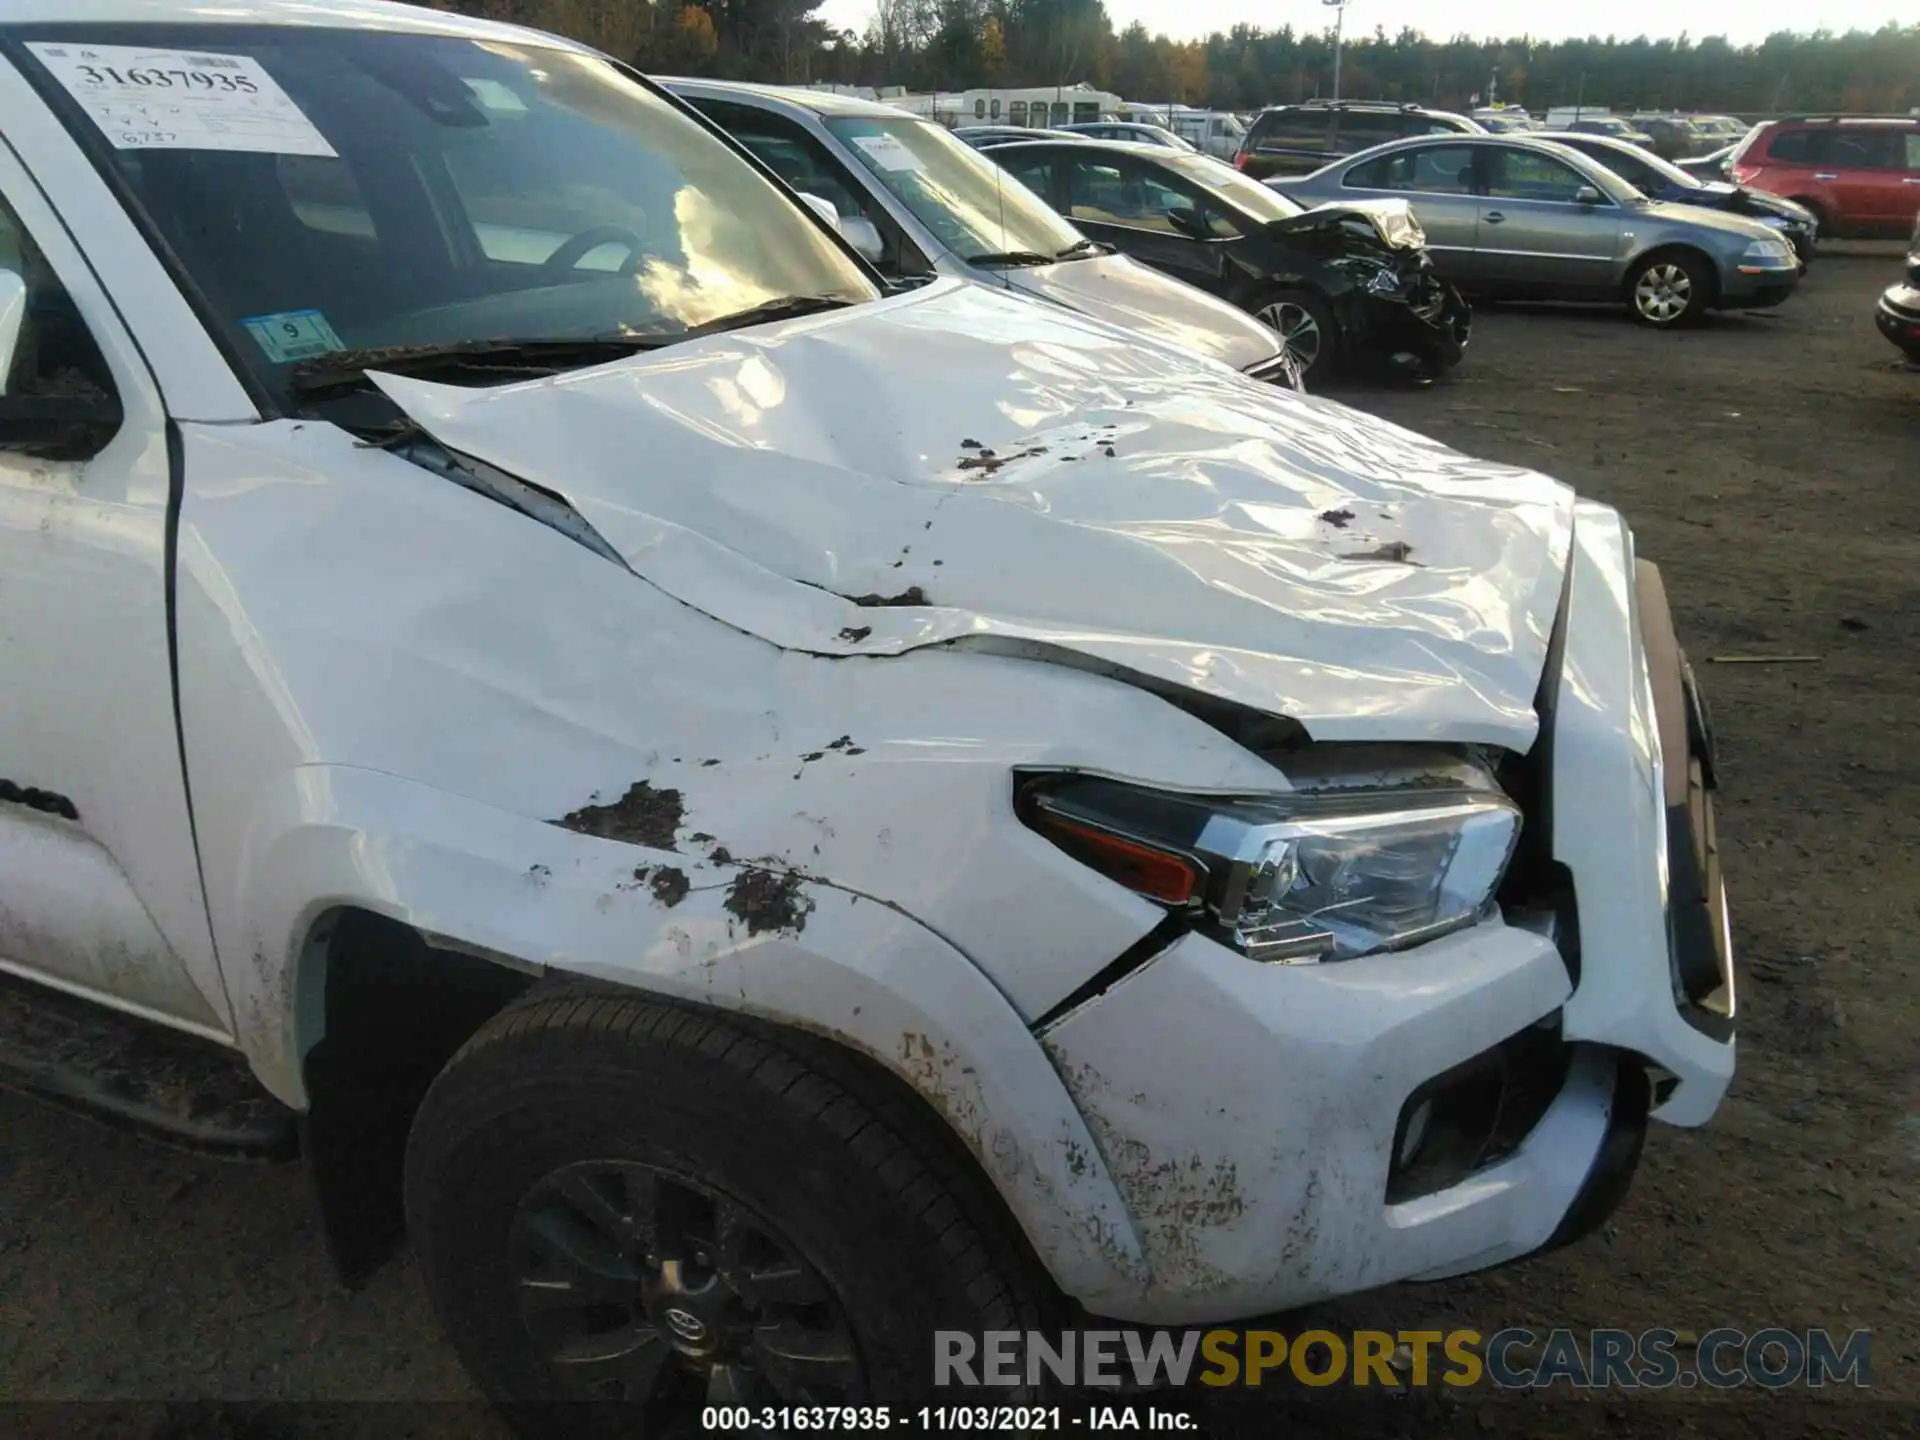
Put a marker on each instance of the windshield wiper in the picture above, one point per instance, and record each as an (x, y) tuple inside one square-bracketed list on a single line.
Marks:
[(786, 307), (504, 359), (1008, 259), (1084, 246)]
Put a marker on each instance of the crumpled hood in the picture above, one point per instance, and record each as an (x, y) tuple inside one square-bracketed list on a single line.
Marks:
[(958, 464), (1393, 222), (1123, 292)]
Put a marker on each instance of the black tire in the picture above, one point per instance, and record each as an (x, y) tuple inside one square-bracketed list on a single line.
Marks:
[(1670, 288), (825, 1232), (1307, 313)]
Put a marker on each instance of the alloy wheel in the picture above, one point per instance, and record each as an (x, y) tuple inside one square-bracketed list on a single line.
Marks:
[(1663, 292), (1299, 331), (644, 1287)]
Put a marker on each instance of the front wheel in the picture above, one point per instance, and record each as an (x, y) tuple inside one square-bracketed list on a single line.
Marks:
[(617, 1200), (1305, 324), (1669, 290)]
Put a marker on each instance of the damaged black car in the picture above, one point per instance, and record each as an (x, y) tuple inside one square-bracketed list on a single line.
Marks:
[(1343, 284)]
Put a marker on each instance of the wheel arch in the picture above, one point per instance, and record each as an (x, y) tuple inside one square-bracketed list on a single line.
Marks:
[(433, 920)]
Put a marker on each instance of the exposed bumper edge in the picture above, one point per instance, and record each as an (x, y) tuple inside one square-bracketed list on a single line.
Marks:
[(1610, 830)]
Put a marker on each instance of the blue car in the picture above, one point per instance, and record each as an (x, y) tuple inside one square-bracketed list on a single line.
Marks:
[(1659, 179)]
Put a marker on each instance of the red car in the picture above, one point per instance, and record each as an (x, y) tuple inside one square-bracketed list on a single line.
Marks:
[(1860, 175)]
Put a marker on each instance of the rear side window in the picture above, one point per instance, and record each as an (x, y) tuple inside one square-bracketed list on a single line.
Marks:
[(1291, 130), (1864, 150), (1431, 170), (1913, 149), (1793, 147), (1364, 129)]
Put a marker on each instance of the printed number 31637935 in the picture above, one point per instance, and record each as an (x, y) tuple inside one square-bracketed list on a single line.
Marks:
[(167, 79)]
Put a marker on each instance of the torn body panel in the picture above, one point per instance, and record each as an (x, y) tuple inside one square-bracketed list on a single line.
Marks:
[(1255, 1162), (1140, 509)]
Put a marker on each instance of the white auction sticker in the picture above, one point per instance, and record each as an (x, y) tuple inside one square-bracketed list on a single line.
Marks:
[(889, 152), (181, 99)]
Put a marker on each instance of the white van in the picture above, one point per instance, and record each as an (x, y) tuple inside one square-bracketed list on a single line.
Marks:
[(1214, 132)]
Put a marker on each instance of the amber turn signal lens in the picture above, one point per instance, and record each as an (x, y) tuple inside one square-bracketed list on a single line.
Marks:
[(1157, 874)]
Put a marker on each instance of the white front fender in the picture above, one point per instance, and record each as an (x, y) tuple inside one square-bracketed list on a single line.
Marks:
[(846, 966)]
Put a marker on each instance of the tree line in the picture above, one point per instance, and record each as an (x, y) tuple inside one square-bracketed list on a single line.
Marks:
[(964, 44)]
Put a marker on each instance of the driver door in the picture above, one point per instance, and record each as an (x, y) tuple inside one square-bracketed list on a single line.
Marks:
[(100, 890), (1144, 213)]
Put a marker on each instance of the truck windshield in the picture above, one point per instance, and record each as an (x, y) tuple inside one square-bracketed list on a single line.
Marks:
[(322, 190), (972, 206)]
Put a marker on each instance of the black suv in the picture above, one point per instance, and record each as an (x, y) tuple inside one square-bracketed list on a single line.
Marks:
[(1296, 139)]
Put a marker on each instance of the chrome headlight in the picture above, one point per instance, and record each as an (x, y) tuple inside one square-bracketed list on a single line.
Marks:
[(1292, 878), (1759, 250)]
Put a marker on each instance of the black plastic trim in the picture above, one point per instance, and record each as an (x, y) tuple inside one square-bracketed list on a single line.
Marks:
[(1122, 965), (1611, 1174)]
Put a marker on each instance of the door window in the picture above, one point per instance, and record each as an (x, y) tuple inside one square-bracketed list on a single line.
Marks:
[(1115, 193), (1913, 149), (1863, 150), (54, 355), (1430, 170), (1792, 147), (1526, 175), (1033, 171)]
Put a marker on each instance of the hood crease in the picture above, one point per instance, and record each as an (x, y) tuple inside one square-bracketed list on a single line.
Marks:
[(958, 463)]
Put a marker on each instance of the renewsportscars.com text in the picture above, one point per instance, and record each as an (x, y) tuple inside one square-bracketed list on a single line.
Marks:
[(1515, 1358)]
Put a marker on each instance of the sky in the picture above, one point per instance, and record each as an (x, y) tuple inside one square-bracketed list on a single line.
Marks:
[(1746, 22)]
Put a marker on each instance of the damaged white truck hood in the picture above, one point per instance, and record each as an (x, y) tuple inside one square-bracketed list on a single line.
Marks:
[(959, 465)]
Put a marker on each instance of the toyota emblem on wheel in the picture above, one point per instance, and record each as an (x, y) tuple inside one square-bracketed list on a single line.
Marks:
[(687, 1326)]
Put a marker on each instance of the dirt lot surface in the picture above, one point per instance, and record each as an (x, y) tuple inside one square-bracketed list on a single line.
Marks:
[(1771, 465)]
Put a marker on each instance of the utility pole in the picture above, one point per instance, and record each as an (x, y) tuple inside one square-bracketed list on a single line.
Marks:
[(1339, 26)]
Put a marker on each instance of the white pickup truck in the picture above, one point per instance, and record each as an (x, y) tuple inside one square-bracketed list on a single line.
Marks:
[(751, 817)]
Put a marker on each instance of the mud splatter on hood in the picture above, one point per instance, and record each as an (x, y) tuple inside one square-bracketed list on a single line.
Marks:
[(1147, 510)]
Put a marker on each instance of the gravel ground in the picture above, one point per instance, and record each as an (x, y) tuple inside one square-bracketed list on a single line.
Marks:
[(1768, 464)]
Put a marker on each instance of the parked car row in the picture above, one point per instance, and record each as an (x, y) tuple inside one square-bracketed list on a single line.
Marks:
[(917, 203), (1528, 218), (1659, 179)]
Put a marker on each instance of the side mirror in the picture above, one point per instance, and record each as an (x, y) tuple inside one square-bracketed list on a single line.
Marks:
[(1587, 195), (13, 315), (1188, 222), (858, 231)]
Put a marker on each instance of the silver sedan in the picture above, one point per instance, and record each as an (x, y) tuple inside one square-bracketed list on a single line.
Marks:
[(1526, 218)]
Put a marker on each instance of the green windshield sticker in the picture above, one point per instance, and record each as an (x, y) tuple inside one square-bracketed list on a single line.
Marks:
[(293, 335)]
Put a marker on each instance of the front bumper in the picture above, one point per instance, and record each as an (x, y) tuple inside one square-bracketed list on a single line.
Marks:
[(1757, 287), (1258, 1119), (1898, 318), (1425, 333)]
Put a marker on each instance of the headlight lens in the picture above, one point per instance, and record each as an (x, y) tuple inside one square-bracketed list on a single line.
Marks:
[(1291, 878), (1768, 250)]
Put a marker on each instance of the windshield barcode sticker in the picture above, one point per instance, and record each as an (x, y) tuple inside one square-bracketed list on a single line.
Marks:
[(889, 152), (175, 100)]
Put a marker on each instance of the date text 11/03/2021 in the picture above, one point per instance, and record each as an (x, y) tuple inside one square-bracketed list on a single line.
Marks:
[(942, 1419)]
